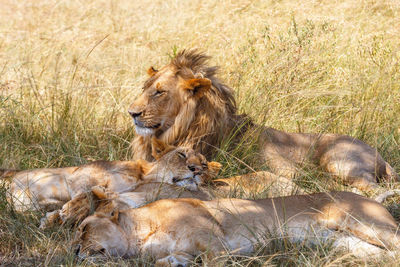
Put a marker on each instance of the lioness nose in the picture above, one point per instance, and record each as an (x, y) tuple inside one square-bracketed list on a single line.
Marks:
[(134, 114), (77, 249)]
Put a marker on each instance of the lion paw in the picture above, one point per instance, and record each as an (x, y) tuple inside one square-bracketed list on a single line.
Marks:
[(51, 219), (174, 261)]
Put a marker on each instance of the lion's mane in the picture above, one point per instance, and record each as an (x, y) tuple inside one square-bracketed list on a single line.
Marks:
[(201, 123)]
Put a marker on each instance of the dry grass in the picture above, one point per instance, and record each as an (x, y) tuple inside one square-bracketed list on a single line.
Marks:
[(69, 69)]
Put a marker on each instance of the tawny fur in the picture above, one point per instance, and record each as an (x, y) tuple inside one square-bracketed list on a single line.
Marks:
[(49, 189), (179, 106), (100, 199), (197, 118), (175, 231), (255, 184), (7, 173)]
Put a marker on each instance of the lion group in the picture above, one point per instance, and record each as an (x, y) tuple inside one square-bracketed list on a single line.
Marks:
[(169, 203)]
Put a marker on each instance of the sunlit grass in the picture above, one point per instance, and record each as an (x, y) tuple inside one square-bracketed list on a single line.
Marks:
[(70, 69)]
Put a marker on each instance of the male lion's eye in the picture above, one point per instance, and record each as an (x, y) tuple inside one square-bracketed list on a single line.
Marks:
[(158, 93), (182, 155), (204, 165)]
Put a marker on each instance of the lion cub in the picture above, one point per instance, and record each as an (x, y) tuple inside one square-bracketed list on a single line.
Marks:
[(174, 231), (49, 189)]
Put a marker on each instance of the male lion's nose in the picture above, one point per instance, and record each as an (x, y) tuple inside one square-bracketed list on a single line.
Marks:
[(134, 114)]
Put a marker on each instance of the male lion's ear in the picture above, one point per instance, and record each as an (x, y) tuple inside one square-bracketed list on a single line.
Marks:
[(151, 71), (159, 148), (197, 86)]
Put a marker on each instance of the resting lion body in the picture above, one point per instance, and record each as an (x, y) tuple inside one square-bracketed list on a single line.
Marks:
[(100, 199), (177, 230), (184, 103), (254, 185), (50, 189)]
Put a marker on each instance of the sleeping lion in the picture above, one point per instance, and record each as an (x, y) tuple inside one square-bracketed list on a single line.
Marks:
[(184, 103), (100, 199), (174, 231), (49, 189)]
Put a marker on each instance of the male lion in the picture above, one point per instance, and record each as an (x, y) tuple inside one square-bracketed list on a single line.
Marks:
[(183, 103), (175, 231), (100, 199), (49, 189)]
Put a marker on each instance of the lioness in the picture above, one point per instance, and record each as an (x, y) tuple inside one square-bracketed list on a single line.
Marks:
[(105, 201), (183, 103), (102, 200), (174, 231), (49, 189)]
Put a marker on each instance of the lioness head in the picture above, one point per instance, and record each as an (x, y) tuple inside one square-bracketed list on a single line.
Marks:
[(180, 166), (166, 91), (101, 234), (174, 165), (98, 198)]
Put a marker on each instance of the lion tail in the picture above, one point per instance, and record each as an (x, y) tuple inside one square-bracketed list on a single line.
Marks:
[(382, 197), (7, 173)]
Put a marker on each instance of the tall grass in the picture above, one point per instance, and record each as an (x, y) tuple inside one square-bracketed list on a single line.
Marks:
[(70, 69)]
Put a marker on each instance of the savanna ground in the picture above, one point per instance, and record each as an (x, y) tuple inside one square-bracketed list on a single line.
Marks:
[(70, 69)]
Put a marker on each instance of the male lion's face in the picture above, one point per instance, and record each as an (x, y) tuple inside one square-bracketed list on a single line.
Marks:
[(100, 234), (164, 93)]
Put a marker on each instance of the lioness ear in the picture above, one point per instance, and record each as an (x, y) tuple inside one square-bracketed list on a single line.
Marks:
[(197, 86), (114, 216), (99, 192), (144, 166), (80, 233), (214, 168), (151, 71), (159, 148)]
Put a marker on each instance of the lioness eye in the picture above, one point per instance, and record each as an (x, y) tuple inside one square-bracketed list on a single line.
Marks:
[(204, 165), (102, 251), (182, 155)]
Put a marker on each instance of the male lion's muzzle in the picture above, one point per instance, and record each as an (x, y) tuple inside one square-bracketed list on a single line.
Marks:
[(136, 119), (134, 114), (139, 122)]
